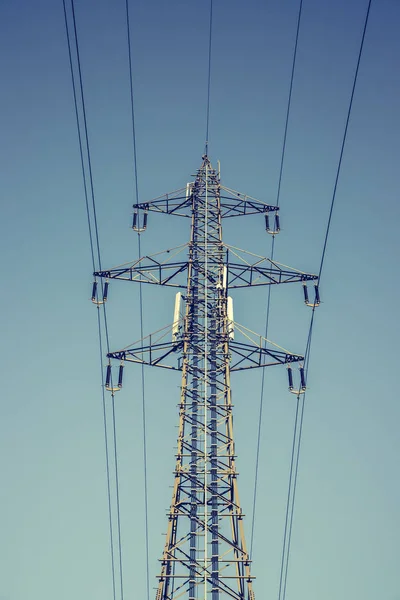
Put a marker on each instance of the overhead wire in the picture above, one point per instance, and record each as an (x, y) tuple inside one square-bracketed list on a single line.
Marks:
[(94, 227), (293, 462), (107, 460), (86, 133), (103, 395), (79, 137), (307, 354), (268, 308), (297, 437), (293, 483), (209, 77), (136, 186)]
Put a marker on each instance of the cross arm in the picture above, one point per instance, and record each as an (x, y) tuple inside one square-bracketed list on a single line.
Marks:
[(236, 204), (251, 356), (179, 203), (148, 271), (242, 275), (167, 355), (154, 355)]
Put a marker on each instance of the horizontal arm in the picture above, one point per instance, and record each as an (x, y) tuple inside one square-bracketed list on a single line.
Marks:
[(152, 272), (251, 356), (180, 203), (242, 356), (241, 275), (153, 355)]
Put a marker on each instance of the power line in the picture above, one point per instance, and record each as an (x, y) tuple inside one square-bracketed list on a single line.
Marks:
[(292, 487), (309, 338), (107, 454), (135, 169), (121, 580), (209, 77), (146, 510), (344, 136), (95, 228), (289, 103), (260, 417), (144, 437), (296, 471), (86, 133), (292, 463), (79, 136), (283, 152)]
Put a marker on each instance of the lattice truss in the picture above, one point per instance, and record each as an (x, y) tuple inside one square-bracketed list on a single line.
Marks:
[(205, 553)]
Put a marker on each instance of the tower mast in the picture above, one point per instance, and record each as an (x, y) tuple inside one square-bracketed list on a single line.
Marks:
[(205, 554)]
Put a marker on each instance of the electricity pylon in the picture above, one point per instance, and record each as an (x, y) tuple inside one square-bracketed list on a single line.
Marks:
[(205, 553)]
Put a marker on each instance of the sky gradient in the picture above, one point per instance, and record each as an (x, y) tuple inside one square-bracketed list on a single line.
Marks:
[(53, 499)]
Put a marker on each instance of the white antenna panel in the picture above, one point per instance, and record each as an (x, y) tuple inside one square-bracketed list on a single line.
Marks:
[(231, 329), (225, 277), (177, 314), (189, 187)]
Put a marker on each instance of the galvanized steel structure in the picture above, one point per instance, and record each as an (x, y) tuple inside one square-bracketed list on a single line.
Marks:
[(205, 553)]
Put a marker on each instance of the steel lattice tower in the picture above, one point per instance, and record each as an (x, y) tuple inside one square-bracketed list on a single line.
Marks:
[(205, 553)]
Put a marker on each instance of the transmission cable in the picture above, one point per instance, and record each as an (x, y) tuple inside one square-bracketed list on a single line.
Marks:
[(135, 169), (98, 312), (86, 133), (209, 77), (103, 394), (293, 483), (79, 136), (95, 228), (282, 160)]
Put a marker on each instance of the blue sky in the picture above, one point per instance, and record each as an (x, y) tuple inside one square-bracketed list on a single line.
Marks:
[(53, 502)]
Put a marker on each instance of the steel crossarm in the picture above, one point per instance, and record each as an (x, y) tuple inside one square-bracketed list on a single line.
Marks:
[(174, 203), (243, 356), (153, 355), (153, 272), (180, 202), (241, 275), (250, 356), (237, 204)]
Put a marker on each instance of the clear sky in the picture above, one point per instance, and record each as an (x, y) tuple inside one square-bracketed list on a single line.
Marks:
[(53, 503)]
